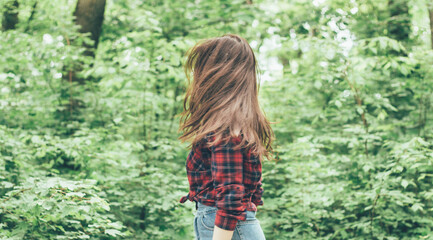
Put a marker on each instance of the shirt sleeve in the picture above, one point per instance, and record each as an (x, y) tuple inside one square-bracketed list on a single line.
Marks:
[(257, 195), (227, 173)]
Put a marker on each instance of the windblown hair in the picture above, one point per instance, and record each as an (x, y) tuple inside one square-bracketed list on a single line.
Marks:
[(222, 99)]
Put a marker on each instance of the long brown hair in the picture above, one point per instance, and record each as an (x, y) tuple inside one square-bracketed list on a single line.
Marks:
[(222, 98)]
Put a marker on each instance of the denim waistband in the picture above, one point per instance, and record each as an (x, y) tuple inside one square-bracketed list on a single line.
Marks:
[(205, 208)]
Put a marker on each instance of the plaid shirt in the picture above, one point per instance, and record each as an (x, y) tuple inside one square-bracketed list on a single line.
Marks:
[(226, 178)]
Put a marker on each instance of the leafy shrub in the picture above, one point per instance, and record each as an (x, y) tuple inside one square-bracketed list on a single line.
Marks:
[(43, 208)]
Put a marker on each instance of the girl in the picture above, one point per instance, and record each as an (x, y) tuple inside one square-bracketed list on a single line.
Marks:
[(229, 136)]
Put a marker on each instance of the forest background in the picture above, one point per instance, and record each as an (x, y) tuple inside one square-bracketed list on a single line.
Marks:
[(90, 91)]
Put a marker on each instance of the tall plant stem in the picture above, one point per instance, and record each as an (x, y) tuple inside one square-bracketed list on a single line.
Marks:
[(358, 102)]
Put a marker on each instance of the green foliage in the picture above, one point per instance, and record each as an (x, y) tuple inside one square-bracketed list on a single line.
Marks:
[(42, 208), (354, 157), (347, 83)]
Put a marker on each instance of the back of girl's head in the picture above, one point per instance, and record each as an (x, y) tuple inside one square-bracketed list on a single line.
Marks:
[(222, 98)]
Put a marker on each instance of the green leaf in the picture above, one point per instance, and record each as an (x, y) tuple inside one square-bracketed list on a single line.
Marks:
[(404, 183)]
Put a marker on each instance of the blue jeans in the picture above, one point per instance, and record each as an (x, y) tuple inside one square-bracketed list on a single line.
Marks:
[(204, 222)]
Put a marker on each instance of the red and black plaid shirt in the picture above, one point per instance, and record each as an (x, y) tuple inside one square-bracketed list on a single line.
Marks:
[(226, 178)]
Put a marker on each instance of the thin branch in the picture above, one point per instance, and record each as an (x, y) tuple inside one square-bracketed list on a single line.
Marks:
[(70, 82), (32, 14), (372, 214), (358, 101)]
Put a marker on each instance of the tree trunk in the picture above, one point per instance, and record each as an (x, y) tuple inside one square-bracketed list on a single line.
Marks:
[(399, 23), (10, 16), (89, 15), (430, 12)]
